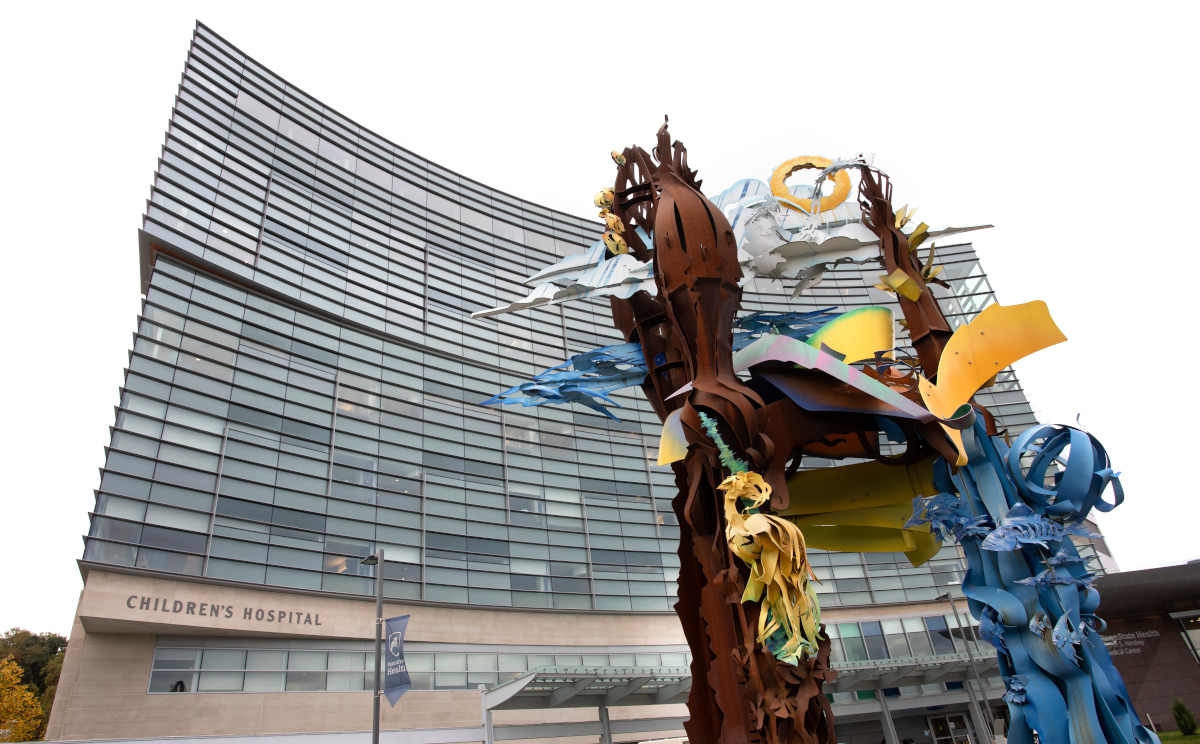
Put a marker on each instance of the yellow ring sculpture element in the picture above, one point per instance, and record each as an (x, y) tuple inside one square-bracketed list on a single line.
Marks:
[(841, 185)]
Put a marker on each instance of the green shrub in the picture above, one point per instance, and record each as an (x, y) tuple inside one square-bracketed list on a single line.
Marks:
[(1184, 720)]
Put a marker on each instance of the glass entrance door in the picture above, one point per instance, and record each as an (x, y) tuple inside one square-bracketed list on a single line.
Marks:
[(951, 729)]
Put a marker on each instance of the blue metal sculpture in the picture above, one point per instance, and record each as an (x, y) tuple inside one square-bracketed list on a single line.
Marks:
[(594, 376), (1027, 584)]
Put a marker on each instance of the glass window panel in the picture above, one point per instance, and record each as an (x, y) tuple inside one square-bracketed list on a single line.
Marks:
[(266, 659), (219, 658), (855, 649), (835, 650), (489, 679), (173, 681), (537, 660), (348, 661), (176, 658), (892, 626), (308, 660), (419, 662), (919, 643), (512, 663), (421, 681), (305, 681), (481, 662), (347, 682), (568, 660), (943, 643), (674, 660), (450, 662), (913, 624), (621, 660), (897, 645), (450, 680), (123, 508), (220, 682), (876, 648), (647, 660), (263, 681), (109, 552)]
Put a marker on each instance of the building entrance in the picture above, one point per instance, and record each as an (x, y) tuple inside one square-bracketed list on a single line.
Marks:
[(951, 729)]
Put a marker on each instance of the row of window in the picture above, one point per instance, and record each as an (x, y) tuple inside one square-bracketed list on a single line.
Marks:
[(288, 163), (243, 121), (225, 68), (275, 670), (289, 354), (903, 638)]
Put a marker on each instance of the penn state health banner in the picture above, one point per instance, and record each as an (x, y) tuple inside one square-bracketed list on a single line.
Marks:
[(395, 672)]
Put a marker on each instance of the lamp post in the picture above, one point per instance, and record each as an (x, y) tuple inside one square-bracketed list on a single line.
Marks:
[(979, 708), (377, 561)]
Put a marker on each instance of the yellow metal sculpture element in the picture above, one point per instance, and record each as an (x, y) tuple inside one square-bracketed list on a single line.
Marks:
[(918, 236), (618, 158), (979, 350), (604, 197), (863, 508), (900, 283), (616, 244), (673, 445), (614, 222), (841, 185), (929, 271), (903, 215), (858, 334), (774, 549)]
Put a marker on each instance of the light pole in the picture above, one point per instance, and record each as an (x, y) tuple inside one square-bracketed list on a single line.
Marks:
[(974, 669), (377, 561)]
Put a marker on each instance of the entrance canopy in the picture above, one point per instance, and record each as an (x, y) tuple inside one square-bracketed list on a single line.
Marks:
[(590, 687), (924, 670)]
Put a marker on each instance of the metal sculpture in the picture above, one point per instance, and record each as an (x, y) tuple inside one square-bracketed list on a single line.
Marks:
[(830, 385)]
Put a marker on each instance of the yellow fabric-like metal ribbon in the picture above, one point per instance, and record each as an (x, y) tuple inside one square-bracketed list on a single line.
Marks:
[(774, 549)]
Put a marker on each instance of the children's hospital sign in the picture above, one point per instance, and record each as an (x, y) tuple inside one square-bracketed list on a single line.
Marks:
[(216, 611)]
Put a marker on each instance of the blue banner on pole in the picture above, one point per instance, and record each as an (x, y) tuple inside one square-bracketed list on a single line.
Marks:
[(395, 672)]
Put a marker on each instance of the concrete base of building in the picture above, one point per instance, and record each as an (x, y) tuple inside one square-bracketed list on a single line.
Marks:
[(103, 693)]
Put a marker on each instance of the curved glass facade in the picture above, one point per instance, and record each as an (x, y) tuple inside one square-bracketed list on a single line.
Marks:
[(304, 383)]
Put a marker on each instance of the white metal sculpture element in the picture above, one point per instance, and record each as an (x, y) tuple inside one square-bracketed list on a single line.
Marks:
[(777, 243), (593, 273)]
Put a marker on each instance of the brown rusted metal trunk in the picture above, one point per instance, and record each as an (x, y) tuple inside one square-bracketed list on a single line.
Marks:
[(740, 694)]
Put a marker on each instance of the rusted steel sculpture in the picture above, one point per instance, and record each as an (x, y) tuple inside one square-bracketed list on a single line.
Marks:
[(740, 692)]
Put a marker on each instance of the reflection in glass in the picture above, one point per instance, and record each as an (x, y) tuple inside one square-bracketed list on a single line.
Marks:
[(305, 681)]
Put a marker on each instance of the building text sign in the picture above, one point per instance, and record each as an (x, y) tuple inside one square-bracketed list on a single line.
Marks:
[(1119, 644), (277, 615)]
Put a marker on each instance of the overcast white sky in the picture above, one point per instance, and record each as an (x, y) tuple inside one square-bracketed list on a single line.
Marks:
[(1071, 127)]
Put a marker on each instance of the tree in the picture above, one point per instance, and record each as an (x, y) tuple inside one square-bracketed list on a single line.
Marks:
[(50, 675), (39, 657), (20, 713), (1184, 720), (32, 652)]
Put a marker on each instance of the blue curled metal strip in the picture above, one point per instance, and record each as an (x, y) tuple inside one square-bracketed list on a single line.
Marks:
[(1078, 487), (1012, 612)]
